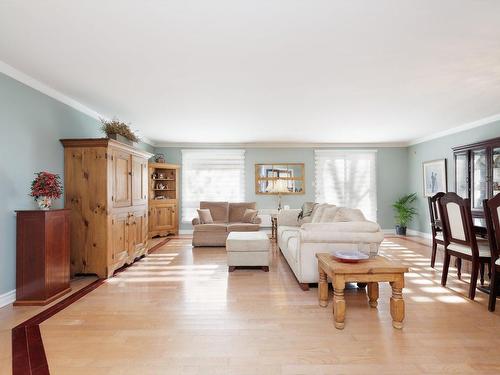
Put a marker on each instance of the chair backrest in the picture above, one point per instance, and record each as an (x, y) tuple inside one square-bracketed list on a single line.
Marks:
[(492, 217), (456, 218), (434, 210)]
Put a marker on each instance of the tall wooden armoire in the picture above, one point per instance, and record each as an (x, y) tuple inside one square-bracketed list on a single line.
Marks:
[(106, 188)]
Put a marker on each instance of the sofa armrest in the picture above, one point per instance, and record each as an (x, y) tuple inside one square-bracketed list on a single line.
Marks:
[(195, 221), (257, 220), (289, 217)]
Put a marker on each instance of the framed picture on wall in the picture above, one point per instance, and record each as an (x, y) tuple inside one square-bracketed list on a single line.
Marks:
[(435, 177)]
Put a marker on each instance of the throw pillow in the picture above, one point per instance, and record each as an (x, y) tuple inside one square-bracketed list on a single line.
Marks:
[(205, 216), (328, 215), (249, 215), (349, 214), (307, 209), (318, 212)]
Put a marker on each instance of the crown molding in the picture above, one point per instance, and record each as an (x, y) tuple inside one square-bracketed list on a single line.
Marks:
[(47, 90), (457, 129), (277, 145)]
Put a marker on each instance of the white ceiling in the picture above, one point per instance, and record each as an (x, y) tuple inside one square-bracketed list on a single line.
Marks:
[(265, 71)]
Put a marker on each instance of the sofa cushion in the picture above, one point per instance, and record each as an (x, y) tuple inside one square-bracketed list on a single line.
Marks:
[(218, 210), (210, 227), (242, 227), (349, 214), (245, 241), (318, 212), (237, 210), (329, 214), (249, 216), (345, 227), (205, 216)]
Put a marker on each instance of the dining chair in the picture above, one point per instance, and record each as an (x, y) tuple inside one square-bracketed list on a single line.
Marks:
[(436, 230), (460, 239), (491, 214)]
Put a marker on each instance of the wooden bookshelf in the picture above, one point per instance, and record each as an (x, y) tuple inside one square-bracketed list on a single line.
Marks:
[(163, 199)]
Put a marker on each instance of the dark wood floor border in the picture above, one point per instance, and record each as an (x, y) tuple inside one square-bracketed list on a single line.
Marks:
[(28, 353), (159, 244)]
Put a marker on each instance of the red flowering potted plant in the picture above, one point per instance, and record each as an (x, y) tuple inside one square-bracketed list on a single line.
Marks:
[(45, 187)]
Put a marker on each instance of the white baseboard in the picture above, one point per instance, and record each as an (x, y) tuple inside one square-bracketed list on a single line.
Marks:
[(7, 298), (411, 232), (420, 234)]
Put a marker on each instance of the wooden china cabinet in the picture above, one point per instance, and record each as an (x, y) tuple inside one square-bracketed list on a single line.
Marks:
[(106, 188), (163, 199), (477, 174)]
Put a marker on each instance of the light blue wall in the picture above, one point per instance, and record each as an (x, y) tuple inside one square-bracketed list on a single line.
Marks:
[(392, 176), (438, 149), (31, 125)]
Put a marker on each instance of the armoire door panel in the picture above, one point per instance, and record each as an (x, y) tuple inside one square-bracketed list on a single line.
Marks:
[(122, 186), (139, 181), (119, 238)]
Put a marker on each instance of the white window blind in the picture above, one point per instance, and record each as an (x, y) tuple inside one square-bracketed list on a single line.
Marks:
[(348, 178), (211, 175)]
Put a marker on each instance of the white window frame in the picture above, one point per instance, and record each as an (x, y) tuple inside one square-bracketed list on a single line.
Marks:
[(211, 175)]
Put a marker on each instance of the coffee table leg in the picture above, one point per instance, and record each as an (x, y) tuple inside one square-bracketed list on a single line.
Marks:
[(338, 304), (323, 288), (373, 294), (397, 304)]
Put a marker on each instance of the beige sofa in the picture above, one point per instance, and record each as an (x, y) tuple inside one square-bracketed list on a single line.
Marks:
[(327, 231), (227, 218)]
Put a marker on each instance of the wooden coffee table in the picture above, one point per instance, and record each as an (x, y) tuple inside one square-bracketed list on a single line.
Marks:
[(372, 271)]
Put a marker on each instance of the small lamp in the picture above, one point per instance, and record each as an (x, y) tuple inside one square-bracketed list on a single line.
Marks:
[(279, 187)]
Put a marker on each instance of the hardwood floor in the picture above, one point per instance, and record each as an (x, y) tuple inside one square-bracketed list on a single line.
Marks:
[(180, 312)]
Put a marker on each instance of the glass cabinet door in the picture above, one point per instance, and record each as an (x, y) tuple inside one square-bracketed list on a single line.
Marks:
[(462, 174), (496, 171), (479, 178)]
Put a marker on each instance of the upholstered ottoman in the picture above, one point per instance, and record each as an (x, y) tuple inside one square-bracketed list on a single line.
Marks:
[(248, 249)]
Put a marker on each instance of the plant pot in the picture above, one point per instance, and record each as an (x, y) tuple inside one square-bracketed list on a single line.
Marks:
[(45, 203), (121, 138), (400, 231)]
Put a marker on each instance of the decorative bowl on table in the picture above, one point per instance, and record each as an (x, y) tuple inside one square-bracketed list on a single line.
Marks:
[(347, 256), (358, 252)]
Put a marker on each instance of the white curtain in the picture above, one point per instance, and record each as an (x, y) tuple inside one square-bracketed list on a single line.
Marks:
[(347, 178), (211, 175)]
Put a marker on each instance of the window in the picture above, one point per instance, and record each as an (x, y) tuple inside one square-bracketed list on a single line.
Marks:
[(211, 175), (347, 178)]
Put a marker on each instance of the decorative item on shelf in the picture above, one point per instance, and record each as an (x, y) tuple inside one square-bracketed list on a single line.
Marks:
[(45, 187), (405, 212), (279, 187), (119, 131), (161, 176), (160, 186), (435, 179), (160, 158)]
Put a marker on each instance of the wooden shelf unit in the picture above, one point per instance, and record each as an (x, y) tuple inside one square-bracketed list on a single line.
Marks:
[(163, 199)]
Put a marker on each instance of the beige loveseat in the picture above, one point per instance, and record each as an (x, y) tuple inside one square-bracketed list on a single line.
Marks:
[(227, 217)]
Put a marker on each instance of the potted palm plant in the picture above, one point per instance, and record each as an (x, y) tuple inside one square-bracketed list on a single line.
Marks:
[(405, 212)]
